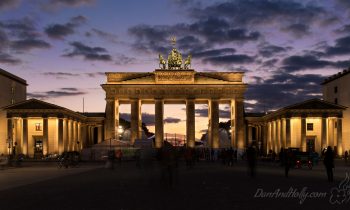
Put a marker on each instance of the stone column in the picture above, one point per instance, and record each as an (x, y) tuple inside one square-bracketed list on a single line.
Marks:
[(303, 134), (45, 135), (71, 135), (190, 123), (323, 133), (159, 126), (9, 135), (282, 139), (331, 132), (233, 119), (135, 120), (110, 119), (339, 136), (214, 126), (60, 136), (116, 116), (25, 136), (250, 134), (278, 133), (288, 133), (66, 135), (239, 124)]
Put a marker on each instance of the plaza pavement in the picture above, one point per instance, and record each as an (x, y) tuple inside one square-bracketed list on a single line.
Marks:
[(206, 186)]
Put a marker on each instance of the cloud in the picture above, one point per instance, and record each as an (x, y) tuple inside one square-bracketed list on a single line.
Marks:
[(60, 75), (124, 60), (200, 35), (88, 53), (251, 12), (268, 50), (147, 119), (8, 59), (298, 30), (344, 29), (341, 47), (53, 5), (169, 120), (284, 89), (214, 52), (62, 92), (22, 35), (228, 59), (296, 63), (95, 74), (59, 31), (9, 4), (29, 44), (103, 35)]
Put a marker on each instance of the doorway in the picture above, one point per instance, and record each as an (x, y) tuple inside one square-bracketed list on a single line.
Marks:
[(310, 143), (38, 147)]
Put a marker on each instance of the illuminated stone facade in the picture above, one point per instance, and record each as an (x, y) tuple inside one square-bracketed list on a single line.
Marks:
[(36, 128), (310, 125), (178, 86), (336, 90)]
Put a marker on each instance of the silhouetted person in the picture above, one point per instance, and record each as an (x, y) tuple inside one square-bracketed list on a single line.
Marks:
[(288, 159), (168, 159), (230, 156), (281, 156), (329, 163), (346, 156), (251, 157)]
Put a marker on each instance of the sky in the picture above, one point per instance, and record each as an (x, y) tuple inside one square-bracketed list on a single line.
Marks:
[(285, 47)]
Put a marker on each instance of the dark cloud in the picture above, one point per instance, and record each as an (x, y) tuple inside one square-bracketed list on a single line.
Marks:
[(8, 59), (169, 120), (96, 74), (343, 29), (147, 119), (284, 89), (62, 92), (8, 4), (229, 59), (251, 12), (60, 74), (124, 60), (271, 50), (298, 30), (296, 63), (29, 44), (103, 35), (53, 5), (22, 35), (200, 35), (215, 52), (341, 47), (88, 53), (59, 31)]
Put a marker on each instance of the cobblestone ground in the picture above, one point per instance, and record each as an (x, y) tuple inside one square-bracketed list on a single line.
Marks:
[(206, 186)]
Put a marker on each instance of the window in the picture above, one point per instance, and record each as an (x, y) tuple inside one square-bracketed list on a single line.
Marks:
[(37, 126), (335, 89), (310, 126), (336, 101)]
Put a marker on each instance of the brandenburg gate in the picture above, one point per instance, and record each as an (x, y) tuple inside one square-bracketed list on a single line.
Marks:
[(176, 83)]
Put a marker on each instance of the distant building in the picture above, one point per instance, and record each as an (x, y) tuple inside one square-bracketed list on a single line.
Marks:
[(311, 125), (336, 90), (13, 89)]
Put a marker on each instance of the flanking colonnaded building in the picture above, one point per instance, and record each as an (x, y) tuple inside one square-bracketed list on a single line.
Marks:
[(34, 128)]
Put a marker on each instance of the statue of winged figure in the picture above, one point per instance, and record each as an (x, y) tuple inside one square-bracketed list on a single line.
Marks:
[(187, 63), (162, 62)]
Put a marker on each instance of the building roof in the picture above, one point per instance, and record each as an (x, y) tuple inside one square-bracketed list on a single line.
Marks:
[(309, 107), (336, 76), (254, 114), (314, 104), (33, 104), (13, 77), (93, 114)]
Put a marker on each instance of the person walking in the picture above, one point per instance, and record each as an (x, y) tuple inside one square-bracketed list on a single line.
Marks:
[(251, 157), (346, 156), (288, 158), (328, 161)]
